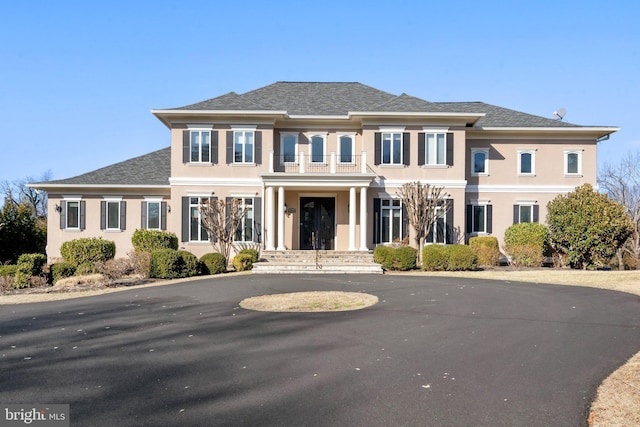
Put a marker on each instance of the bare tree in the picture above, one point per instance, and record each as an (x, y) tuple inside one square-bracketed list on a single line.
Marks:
[(222, 219), (20, 192), (622, 183), (425, 203)]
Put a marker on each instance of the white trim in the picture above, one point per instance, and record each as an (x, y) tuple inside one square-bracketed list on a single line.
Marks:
[(474, 151), (283, 135), (577, 129), (532, 152), (339, 137), (221, 182), (323, 136), (392, 129), (397, 183), (578, 152), (520, 188), (479, 202), (153, 199), (73, 198), (244, 195), (112, 198), (435, 129), (526, 202), (200, 126), (244, 127), (435, 133)]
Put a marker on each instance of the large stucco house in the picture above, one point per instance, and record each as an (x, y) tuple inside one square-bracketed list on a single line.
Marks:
[(319, 166)]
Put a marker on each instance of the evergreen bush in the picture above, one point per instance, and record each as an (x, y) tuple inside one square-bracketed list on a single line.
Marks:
[(243, 262), (8, 270), (382, 256), (255, 255), (527, 244), (166, 264), (192, 266), (87, 251), (61, 270), (404, 258), (435, 258), (487, 249), (213, 263), (462, 258), (152, 240)]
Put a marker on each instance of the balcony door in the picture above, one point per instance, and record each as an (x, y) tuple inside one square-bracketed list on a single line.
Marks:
[(317, 223)]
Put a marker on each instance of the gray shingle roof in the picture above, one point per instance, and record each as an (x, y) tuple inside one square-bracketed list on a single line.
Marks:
[(149, 169), (340, 98)]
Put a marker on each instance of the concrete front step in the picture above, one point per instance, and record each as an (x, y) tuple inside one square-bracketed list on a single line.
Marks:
[(290, 262)]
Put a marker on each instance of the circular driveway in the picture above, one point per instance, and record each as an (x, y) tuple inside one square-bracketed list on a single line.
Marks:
[(433, 351)]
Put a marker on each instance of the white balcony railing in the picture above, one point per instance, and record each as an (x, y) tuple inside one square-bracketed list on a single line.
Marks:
[(331, 164)]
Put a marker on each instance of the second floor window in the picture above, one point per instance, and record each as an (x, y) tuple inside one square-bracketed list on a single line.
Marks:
[(317, 149), (392, 148), (200, 146), (243, 145), (480, 161), (288, 148), (435, 149), (573, 162), (526, 162), (346, 149)]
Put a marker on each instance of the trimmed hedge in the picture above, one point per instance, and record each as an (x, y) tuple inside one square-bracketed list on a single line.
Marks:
[(172, 264), (213, 263), (152, 240), (192, 266), (402, 258), (87, 251), (243, 262), (527, 244), (487, 249), (8, 270), (61, 270), (28, 265), (448, 258), (255, 255)]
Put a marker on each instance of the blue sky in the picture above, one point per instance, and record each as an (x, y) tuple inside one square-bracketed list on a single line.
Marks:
[(78, 78)]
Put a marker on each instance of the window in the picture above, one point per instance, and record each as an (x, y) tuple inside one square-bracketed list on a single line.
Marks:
[(73, 214), (288, 147), (200, 146), (479, 218), (390, 220), (346, 148), (243, 146), (197, 233), (153, 215), (391, 148), (245, 229), (317, 148), (438, 234), (436, 148), (525, 212), (480, 161), (526, 162), (573, 162), (112, 214)]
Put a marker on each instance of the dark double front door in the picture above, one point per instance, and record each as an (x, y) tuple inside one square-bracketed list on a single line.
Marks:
[(317, 223)]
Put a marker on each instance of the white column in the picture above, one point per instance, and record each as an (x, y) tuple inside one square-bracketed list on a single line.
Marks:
[(363, 219), (281, 246), (352, 219), (271, 219)]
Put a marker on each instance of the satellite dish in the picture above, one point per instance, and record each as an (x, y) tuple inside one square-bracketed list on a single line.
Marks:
[(559, 113)]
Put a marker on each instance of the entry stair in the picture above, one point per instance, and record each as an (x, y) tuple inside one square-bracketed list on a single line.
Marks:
[(317, 262)]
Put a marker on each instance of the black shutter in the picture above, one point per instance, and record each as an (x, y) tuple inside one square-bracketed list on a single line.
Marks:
[(185, 219), (449, 145), (516, 214), (227, 203), (258, 148), (377, 148), (376, 221), (230, 155), (536, 213), (449, 224), (143, 215), (123, 215), (163, 215), (277, 161), (103, 215), (469, 218), (405, 222), (63, 214), (421, 149), (212, 201), (406, 149), (214, 146), (489, 219), (186, 146), (83, 215), (257, 219)]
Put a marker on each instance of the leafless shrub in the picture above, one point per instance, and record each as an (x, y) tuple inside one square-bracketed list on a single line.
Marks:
[(140, 263)]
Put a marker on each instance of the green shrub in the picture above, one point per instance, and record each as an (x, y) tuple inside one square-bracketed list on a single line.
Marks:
[(527, 244), (8, 270), (404, 258), (487, 249), (435, 258), (213, 263), (462, 258), (382, 256), (166, 264), (87, 268), (87, 251), (448, 258), (152, 240), (191, 264), (243, 262), (28, 265), (61, 270), (255, 255)]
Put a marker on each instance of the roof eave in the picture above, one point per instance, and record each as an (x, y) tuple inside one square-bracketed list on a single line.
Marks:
[(469, 118), (48, 187), (600, 131), (164, 115)]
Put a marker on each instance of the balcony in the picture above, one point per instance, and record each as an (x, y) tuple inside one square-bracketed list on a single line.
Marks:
[(330, 164)]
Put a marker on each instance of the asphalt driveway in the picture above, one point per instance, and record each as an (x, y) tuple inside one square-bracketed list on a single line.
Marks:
[(432, 352)]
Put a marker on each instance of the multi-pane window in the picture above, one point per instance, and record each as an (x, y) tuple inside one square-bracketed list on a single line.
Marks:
[(390, 220), (480, 162), (391, 148), (113, 215), (154, 213), (438, 233), (73, 214), (245, 228), (435, 148), (525, 213), (317, 149), (288, 147), (200, 146), (526, 162), (197, 232), (572, 162), (243, 146), (346, 149), (479, 219)]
